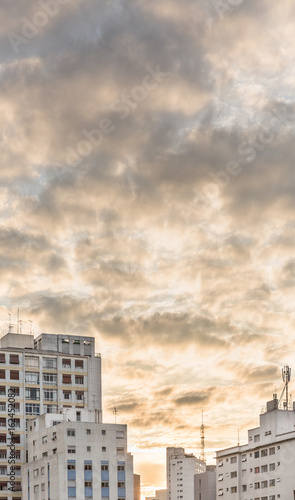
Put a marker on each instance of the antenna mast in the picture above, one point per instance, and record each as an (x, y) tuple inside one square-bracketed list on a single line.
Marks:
[(202, 429), (286, 375), (115, 412)]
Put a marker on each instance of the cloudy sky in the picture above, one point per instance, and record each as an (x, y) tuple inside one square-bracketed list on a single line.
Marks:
[(147, 198)]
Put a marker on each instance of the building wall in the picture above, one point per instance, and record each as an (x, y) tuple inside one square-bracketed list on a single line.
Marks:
[(205, 485), (56, 442), (263, 468), (136, 478), (181, 469), (44, 380)]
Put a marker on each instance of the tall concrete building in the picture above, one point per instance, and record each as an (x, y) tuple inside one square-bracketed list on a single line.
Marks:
[(205, 484), (73, 456), (136, 483), (41, 376), (262, 469), (181, 468)]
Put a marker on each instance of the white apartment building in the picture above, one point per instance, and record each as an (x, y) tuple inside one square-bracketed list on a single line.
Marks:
[(180, 470), (264, 468), (71, 456), (37, 376), (205, 484)]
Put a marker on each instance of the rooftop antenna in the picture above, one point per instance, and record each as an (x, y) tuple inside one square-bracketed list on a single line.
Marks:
[(20, 325), (18, 320), (31, 326), (9, 323), (286, 375), (238, 437), (115, 412), (202, 429)]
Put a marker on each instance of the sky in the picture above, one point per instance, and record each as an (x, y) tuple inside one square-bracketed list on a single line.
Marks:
[(147, 199)]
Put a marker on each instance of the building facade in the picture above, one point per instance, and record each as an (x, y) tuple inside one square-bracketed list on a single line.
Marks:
[(264, 468), (181, 468), (136, 485), (73, 456), (42, 375), (205, 484)]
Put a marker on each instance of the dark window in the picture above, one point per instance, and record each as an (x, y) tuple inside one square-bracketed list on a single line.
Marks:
[(79, 363), (2, 374), (14, 359), (66, 379), (14, 375), (2, 357)]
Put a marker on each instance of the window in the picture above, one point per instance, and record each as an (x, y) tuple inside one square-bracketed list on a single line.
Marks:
[(50, 409), (2, 374), (103, 432), (263, 453), (233, 474), (15, 390), (2, 357), (2, 406), (88, 431), (244, 487), (44, 439), (14, 375), (104, 467), (79, 363), (14, 359), (71, 449), (120, 451), (263, 484), (257, 486), (104, 448), (32, 393), (43, 487), (244, 457), (71, 432), (49, 363), (32, 409), (79, 380), (67, 395), (264, 468), (233, 460), (32, 361), (50, 395), (32, 378), (49, 378), (256, 454), (256, 438), (244, 472), (88, 448), (42, 471), (79, 395), (272, 482), (2, 390), (256, 470), (66, 363), (272, 451), (78, 416), (233, 489), (66, 379), (35, 472), (272, 467), (36, 488)]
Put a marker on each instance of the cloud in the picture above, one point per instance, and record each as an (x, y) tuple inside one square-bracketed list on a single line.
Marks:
[(147, 199)]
